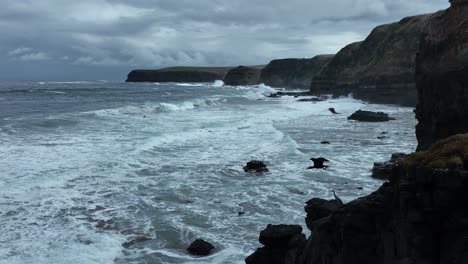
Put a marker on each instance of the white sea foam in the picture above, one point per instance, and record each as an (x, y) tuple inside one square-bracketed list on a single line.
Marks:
[(218, 83)]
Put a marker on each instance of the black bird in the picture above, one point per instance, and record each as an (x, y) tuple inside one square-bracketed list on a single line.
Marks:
[(337, 199), (318, 163)]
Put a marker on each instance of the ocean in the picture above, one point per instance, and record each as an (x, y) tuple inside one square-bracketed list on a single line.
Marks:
[(110, 172)]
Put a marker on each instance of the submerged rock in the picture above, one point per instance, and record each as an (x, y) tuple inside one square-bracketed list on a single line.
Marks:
[(200, 247), (319, 163), (368, 116), (256, 166), (333, 111)]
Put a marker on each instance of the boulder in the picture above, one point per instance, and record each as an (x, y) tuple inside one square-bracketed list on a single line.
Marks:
[(368, 116), (200, 247), (317, 209), (319, 163), (255, 166)]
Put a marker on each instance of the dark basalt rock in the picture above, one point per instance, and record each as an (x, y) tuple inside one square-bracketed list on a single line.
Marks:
[(255, 166), (317, 209), (368, 116), (442, 76), (325, 142), (314, 99), (333, 111), (200, 247), (383, 170), (242, 76), (293, 73), (282, 245)]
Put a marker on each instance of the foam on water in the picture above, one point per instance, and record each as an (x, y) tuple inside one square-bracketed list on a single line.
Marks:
[(81, 184)]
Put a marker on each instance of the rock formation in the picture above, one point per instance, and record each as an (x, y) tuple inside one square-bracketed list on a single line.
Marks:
[(442, 76), (293, 73), (179, 74), (243, 76), (368, 116), (379, 69)]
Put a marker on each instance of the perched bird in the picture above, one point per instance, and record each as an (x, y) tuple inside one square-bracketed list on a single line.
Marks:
[(318, 163), (337, 199)]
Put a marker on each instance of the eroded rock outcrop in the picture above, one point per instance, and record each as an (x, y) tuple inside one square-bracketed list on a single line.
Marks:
[(442, 76), (379, 69), (293, 73), (243, 76)]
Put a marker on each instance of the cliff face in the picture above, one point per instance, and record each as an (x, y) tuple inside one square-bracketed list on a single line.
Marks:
[(381, 68), (293, 73), (442, 76), (243, 76), (179, 74)]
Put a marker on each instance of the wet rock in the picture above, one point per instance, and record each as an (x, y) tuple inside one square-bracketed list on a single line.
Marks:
[(136, 240), (282, 244), (200, 247), (368, 116), (333, 111), (383, 170), (255, 166), (319, 163), (317, 208), (315, 99), (325, 142)]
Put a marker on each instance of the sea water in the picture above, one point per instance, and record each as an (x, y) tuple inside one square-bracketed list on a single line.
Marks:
[(87, 166)]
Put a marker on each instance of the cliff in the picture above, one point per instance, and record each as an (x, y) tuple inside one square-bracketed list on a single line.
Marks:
[(179, 74), (293, 73), (379, 69), (442, 76), (243, 76)]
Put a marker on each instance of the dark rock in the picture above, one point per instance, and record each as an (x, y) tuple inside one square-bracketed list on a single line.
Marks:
[(383, 170), (200, 247), (368, 116), (325, 142), (293, 73), (333, 111), (442, 76), (179, 74), (317, 209), (282, 245), (135, 241), (318, 163), (256, 166), (315, 99), (243, 76), (380, 69)]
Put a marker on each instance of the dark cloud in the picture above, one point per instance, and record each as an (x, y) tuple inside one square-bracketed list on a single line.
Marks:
[(99, 39)]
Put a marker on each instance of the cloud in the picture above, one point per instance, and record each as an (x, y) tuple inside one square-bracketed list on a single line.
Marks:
[(117, 35)]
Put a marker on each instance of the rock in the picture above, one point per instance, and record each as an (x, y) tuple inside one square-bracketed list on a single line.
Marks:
[(368, 116), (317, 209), (256, 166), (315, 99), (442, 76), (318, 163), (243, 76), (179, 74), (325, 142), (380, 69), (136, 240), (333, 111), (293, 73), (200, 247), (282, 244), (383, 170)]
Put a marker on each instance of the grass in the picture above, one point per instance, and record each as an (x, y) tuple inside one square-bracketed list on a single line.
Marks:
[(453, 151)]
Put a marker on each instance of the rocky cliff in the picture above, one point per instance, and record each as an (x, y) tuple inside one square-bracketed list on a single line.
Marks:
[(442, 76), (293, 73), (243, 76), (179, 74), (379, 69)]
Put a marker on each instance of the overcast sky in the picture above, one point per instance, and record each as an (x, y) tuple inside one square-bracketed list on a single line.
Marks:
[(104, 39)]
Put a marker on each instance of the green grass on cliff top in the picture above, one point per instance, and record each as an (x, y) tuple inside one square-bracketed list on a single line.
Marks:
[(453, 150)]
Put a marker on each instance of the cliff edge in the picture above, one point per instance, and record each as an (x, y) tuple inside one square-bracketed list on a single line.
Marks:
[(179, 74)]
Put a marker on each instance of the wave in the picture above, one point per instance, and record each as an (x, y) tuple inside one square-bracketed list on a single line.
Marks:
[(218, 83), (154, 108)]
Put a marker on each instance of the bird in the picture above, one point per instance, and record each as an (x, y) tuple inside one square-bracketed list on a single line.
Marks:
[(318, 163), (337, 199)]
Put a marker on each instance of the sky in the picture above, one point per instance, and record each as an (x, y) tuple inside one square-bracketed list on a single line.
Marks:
[(105, 39)]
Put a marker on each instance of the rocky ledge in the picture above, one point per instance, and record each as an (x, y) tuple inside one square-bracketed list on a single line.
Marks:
[(243, 75)]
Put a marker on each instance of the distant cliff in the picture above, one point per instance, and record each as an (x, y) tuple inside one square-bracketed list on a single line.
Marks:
[(179, 74), (442, 76), (293, 73), (381, 68), (243, 75)]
